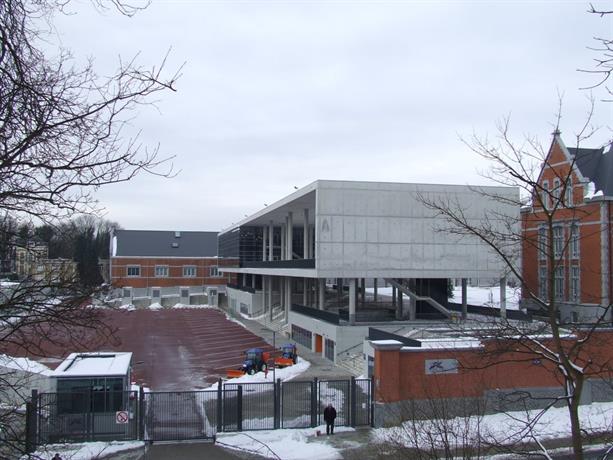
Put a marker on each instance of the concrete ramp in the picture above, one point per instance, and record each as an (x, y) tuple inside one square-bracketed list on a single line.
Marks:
[(414, 297)]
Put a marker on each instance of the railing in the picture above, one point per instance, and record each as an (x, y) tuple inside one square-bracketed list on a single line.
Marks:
[(418, 298), (378, 334), (491, 311), (295, 263), (317, 314)]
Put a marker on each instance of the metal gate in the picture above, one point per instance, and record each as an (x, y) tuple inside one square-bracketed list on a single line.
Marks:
[(256, 405), (297, 404), (337, 393), (363, 402), (177, 416)]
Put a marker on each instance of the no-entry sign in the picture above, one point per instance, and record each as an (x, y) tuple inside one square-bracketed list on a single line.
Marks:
[(121, 417)]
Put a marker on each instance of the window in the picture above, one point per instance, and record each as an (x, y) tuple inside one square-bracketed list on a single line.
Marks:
[(302, 336), (558, 240), (545, 194), (574, 240), (569, 192), (184, 293), (542, 243), (133, 270), (189, 271), (557, 190), (156, 293), (161, 271), (329, 349), (558, 283), (574, 284), (543, 283), (214, 272)]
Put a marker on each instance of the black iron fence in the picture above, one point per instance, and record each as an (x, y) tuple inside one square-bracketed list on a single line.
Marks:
[(188, 415)]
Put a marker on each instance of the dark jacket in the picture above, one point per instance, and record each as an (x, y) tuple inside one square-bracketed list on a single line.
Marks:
[(329, 414)]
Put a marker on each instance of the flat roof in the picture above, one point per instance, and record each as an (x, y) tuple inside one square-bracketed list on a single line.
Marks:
[(100, 364)]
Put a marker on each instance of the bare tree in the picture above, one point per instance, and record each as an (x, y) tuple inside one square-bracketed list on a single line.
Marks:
[(567, 350), (63, 134)]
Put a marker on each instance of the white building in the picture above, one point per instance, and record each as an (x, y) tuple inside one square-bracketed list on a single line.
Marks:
[(310, 255)]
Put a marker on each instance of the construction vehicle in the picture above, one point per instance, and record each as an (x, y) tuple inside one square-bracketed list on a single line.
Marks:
[(288, 357), (256, 360)]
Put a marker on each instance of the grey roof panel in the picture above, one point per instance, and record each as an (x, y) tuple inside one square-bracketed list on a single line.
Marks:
[(152, 243), (597, 166)]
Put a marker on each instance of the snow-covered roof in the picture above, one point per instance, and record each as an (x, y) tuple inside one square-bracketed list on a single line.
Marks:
[(24, 364), (446, 344), (94, 365)]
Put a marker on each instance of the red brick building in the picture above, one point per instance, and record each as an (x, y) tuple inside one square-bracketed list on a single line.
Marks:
[(159, 264), (576, 187)]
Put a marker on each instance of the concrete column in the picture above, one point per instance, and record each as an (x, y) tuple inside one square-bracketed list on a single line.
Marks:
[(322, 293), (264, 240), (375, 286), (271, 239), (305, 239), (282, 292), (312, 242), (503, 297), (288, 295), (399, 308), (283, 238), (269, 288), (290, 236), (252, 281), (352, 295), (464, 298), (305, 292), (363, 291)]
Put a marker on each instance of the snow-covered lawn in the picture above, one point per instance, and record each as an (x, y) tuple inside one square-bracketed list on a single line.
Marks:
[(293, 444), (86, 450), (503, 428), (479, 296)]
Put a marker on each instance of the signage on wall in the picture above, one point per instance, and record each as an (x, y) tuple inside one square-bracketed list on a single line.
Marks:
[(121, 417), (441, 366)]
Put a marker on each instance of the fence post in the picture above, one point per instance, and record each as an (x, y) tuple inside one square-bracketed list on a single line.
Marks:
[(239, 409), (277, 409), (219, 406), (31, 422), (371, 401), (353, 408), (314, 402), (141, 413)]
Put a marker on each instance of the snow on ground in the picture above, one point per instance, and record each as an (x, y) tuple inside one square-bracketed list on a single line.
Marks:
[(287, 373), (293, 444), (503, 428), (24, 364), (85, 451), (487, 296), (157, 306)]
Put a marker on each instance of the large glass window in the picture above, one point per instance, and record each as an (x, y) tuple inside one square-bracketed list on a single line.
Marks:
[(559, 283), (542, 243), (558, 240), (574, 241), (302, 336), (543, 294), (569, 192), (98, 395), (329, 349), (545, 194), (574, 284), (557, 189)]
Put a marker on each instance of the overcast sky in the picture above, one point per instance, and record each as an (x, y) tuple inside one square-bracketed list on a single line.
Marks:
[(277, 94)]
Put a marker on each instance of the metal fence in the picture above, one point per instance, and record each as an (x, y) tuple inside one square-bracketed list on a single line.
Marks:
[(188, 415), (86, 416)]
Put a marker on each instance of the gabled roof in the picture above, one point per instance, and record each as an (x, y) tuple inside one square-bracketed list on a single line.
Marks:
[(597, 166), (153, 243)]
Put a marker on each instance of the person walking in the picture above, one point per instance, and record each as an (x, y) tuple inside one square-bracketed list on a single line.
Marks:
[(56, 457), (329, 416)]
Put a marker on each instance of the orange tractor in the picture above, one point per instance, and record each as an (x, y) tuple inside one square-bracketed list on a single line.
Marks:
[(257, 360)]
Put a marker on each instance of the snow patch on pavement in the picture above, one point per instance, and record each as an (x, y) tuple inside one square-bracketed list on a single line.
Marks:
[(292, 444), (85, 451)]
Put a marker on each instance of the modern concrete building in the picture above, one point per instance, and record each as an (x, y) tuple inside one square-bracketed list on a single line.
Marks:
[(309, 257)]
